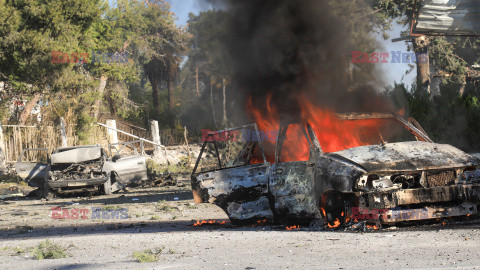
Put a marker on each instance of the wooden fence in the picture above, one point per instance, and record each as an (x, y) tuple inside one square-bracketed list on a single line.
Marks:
[(134, 130), (18, 138), (171, 137)]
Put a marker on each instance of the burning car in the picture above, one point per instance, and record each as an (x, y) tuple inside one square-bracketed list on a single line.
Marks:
[(296, 178), (85, 168)]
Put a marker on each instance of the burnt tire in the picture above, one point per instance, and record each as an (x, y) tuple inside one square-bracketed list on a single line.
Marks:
[(47, 192), (337, 207), (107, 186)]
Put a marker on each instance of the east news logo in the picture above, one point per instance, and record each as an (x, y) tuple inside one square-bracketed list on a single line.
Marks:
[(84, 213)]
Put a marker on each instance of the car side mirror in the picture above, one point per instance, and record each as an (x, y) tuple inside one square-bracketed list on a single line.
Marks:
[(116, 157)]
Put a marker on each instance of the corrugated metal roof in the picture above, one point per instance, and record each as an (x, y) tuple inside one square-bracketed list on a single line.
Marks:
[(451, 17)]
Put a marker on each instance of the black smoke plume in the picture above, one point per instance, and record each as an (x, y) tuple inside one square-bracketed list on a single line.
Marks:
[(287, 48)]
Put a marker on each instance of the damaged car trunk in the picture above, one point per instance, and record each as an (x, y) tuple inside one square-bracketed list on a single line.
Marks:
[(296, 182)]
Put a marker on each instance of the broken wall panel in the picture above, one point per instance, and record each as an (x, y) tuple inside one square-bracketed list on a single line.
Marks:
[(449, 17)]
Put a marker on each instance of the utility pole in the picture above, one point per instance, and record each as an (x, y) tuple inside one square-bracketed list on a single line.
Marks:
[(420, 45)]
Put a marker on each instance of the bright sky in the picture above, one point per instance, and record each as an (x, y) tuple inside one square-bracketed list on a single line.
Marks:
[(391, 72), (183, 7), (395, 72)]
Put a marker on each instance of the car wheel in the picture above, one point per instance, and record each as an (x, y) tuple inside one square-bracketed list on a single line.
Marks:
[(47, 192), (337, 207), (107, 186)]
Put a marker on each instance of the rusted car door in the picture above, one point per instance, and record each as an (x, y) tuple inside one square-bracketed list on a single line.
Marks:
[(292, 185), (127, 162), (33, 172), (238, 186)]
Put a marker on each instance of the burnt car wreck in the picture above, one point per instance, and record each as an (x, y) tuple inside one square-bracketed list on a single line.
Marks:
[(83, 168), (74, 167), (384, 182)]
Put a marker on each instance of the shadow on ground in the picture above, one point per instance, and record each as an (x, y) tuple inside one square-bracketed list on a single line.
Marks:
[(219, 225), (124, 227), (141, 196)]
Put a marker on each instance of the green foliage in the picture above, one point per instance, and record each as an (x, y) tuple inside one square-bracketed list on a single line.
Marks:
[(157, 42), (165, 207), (49, 250), (84, 127), (148, 255), (451, 56), (388, 10), (447, 118), (71, 81), (208, 44), (120, 103), (19, 251), (4, 109), (12, 178), (154, 169), (31, 30)]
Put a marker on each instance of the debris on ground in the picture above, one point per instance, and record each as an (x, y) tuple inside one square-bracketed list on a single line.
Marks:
[(11, 192), (161, 180)]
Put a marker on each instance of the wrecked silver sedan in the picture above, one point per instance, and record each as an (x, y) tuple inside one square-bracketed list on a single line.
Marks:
[(386, 182), (83, 168)]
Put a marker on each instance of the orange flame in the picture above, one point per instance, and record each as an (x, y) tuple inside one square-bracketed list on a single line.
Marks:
[(333, 133), (294, 227), (202, 222), (261, 222), (336, 223)]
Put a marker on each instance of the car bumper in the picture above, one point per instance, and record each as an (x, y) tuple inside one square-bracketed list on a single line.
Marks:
[(77, 183), (433, 195)]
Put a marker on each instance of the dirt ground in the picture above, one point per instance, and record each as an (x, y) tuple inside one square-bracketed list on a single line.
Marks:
[(163, 218)]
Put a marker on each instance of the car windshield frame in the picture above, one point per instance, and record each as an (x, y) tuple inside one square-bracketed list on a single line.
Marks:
[(411, 125), (211, 139)]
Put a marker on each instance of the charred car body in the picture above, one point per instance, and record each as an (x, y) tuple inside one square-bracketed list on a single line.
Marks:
[(86, 168), (386, 182)]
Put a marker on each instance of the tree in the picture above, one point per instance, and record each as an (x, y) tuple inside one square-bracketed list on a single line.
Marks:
[(208, 59), (159, 45), (47, 47), (451, 57), (31, 30)]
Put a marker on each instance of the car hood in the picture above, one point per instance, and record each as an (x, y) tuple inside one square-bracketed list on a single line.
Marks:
[(407, 156), (76, 155)]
